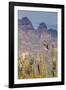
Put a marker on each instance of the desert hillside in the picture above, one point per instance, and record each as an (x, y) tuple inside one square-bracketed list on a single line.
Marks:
[(40, 44)]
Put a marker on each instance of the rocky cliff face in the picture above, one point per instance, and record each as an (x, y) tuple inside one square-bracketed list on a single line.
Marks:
[(25, 24), (31, 39), (42, 27)]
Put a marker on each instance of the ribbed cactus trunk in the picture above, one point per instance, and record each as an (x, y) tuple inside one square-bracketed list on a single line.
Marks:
[(54, 66), (34, 70), (42, 66)]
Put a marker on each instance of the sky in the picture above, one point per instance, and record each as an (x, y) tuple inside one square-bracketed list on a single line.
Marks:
[(36, 17)]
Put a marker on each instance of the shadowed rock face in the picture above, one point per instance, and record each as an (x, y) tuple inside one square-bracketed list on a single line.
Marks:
[(25, 24), (42, 26)]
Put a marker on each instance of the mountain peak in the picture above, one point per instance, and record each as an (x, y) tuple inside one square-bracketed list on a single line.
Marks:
[(42, 26), (25, 23)]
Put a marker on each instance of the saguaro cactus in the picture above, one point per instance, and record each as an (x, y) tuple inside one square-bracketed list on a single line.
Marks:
[(54, 71), (42, 66), (34, 70)]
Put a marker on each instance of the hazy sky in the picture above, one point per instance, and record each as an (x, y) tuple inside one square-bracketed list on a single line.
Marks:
[(36, 17)]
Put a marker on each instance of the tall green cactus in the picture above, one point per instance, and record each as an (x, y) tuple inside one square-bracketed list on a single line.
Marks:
[(42, 66), (53, 71)]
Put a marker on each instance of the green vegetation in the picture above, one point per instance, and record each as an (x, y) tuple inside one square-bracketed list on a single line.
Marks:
[(54, 71), (30, 67), (42, 66)]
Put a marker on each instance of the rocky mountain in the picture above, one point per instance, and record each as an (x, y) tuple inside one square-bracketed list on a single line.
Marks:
[(25, 24), (31, 39), (42, 27)]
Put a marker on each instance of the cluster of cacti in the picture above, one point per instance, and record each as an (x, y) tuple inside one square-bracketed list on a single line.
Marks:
[(25, 66), (29, 68)]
